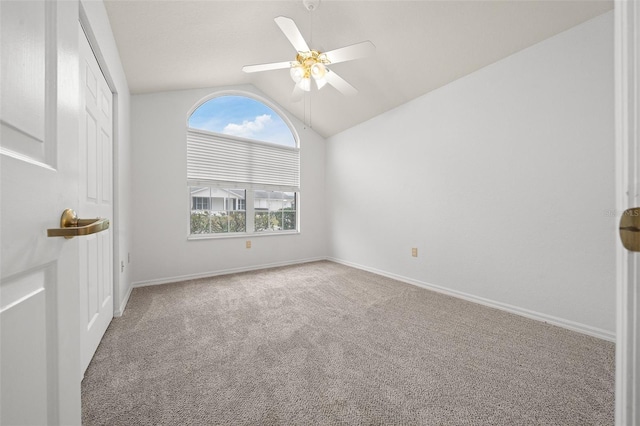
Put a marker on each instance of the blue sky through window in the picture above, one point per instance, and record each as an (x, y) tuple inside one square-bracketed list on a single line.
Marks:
[(244, 117)]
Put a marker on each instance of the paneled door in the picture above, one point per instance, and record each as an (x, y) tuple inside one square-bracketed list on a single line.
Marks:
[(627, 67), (39, 279), (96, 152)]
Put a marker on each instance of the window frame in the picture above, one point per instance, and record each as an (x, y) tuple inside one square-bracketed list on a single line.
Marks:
[(271, 212), (249, 219), (248, 188)]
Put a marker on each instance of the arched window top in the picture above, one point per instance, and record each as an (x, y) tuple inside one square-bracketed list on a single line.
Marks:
[(242, 116)]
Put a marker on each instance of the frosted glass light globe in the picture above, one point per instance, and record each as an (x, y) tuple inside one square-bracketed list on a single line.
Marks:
[(318, 70), (297, 73), (305, 84)]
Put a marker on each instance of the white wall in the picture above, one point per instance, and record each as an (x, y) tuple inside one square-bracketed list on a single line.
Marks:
[(96, 23), (161, 251), (501, 180)]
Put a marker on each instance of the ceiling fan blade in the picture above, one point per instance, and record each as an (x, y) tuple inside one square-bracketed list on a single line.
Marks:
[(347, 53), (291, 31), (266, 67), (339, 83)]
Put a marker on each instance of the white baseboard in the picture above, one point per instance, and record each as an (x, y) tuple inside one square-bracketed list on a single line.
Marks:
[(123, 304), (560, 322), (222, 272)]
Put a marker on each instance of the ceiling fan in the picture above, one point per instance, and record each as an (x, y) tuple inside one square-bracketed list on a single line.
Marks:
[(313, 64)]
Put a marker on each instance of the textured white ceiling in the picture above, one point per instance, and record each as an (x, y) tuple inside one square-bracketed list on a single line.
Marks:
[(421, 45)]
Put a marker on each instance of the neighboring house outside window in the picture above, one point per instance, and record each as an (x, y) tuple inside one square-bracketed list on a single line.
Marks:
[(200, 203), (219, 212), (243, 169)]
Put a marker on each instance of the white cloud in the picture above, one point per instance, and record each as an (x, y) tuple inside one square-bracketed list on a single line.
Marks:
[(249, 129)]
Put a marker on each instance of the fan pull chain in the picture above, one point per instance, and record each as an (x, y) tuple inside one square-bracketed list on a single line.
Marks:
[(311, 28), (311, 47), (310, 124)]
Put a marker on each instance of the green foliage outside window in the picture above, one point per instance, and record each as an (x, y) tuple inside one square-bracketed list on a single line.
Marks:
[(264, 221), (288, 219), (200, 223), (283, 219), (208, 222)]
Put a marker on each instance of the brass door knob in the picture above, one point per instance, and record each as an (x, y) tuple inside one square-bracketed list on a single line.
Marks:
[(630, 229), (71, 226)]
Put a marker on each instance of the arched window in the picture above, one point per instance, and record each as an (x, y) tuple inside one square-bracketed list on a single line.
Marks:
[(243, 168), (243, 117)]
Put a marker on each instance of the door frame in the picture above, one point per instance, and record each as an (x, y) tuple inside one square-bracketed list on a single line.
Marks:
[(627, 122), (627, 40), (85, 23)]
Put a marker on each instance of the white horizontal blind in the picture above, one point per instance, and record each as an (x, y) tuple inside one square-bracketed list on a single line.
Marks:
[(214, 158)]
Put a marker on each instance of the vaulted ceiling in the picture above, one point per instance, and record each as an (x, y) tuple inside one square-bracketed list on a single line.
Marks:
[(421, 45)]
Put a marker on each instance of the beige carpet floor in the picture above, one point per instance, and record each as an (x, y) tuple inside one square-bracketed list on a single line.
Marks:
[(325, 344)]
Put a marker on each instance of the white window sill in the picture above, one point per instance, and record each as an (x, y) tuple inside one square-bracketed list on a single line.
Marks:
[(196, 237)]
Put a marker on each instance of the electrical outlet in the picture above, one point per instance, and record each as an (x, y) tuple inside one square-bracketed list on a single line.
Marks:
[(121, 266), (414, 252), (248, 244)]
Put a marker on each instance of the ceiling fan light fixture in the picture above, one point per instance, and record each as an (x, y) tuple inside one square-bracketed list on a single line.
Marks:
[(310, 63), (318, 70), (297, 73), (305, 84)]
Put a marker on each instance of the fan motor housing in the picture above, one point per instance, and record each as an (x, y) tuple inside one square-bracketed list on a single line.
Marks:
[(311, 5)]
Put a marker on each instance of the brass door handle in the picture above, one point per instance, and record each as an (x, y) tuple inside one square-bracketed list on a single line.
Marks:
[(630, 229), (71, 226)]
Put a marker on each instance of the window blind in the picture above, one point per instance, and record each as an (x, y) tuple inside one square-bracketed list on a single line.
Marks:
[(213, 158)]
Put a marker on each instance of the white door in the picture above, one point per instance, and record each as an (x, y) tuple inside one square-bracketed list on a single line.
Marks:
[(39, 304), (96, 261), (627, 45)]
